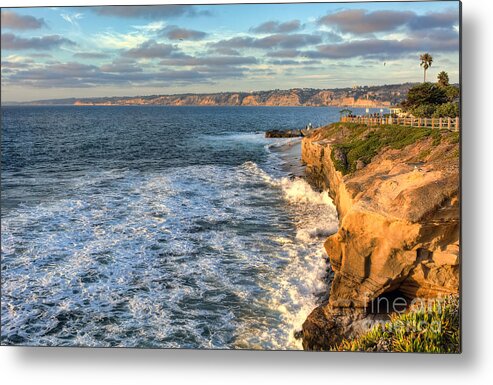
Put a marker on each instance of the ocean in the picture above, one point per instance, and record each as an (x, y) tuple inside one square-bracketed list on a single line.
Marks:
[(159, 227)]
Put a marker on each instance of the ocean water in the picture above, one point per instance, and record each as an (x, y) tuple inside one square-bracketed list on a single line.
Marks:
[(162, 227)]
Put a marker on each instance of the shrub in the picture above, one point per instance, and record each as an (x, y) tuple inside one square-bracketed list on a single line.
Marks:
[(425, 94), (363, 143), (423, 111), (430, 329), (447, 110), (452, 92)]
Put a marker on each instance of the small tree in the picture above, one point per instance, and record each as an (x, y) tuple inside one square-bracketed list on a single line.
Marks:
[(423, 99), (426, 61), (452, 93), (443, 79), (425, 93)]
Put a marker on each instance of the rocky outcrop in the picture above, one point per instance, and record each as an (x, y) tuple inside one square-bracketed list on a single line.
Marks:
[(398, 228), (283, 133)]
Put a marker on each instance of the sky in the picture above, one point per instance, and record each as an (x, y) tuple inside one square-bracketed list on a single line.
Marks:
[(62, 52)]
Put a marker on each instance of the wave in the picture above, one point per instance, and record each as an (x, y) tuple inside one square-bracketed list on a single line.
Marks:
[(202, 257), (315, 217)]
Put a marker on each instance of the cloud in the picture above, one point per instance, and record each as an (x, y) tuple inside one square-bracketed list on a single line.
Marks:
[(332, 37), (361, 21), (152, 27), (177, 33), (14, 64), (227, 51), (114, 40), (435, 34), (72, 18), (302, 64), (148, 12), (90, 55), (446, 20), (284, 53), (40, 55), (277, 27), (268, 42), (120, 68), (383, 48), (13, 42), (220, 61), (12, 20), (285, 62), (76, 75), (151, 50)]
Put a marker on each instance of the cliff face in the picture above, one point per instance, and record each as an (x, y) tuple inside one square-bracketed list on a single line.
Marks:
[(398, 226), (374, 96), (272, 98)]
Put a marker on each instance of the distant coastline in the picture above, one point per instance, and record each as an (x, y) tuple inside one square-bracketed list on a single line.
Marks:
[(382, 96)]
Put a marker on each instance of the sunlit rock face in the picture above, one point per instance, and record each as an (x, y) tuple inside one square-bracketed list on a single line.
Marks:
[(399, 223)]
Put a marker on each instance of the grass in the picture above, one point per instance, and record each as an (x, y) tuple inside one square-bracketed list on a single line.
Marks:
[(453, 138), (362, 143), (433, 328)]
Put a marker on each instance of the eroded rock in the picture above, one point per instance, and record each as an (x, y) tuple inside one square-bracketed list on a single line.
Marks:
[(398, 230)]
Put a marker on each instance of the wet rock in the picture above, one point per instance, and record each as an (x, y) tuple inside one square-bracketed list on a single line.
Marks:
[(283, 134), (298, 334), (326, 327)]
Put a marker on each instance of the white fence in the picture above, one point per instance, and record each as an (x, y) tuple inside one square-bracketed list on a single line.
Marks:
[(451, 124)]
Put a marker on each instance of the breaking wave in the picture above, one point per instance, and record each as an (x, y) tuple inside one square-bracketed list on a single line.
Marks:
[(200, 256)]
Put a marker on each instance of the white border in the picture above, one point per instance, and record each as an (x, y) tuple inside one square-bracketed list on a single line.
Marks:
[(112, 366)]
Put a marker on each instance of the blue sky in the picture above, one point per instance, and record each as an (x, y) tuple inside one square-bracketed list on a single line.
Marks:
[(56, 52)]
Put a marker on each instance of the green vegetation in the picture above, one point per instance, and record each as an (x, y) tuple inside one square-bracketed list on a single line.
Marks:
[(443, 79), (363, 143), (446, 110), (453, 138), (430, 328), (428, 100)]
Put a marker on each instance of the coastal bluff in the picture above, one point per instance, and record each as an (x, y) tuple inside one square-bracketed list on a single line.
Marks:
[(397, 197)]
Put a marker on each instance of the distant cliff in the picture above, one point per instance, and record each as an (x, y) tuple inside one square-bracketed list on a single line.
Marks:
[(375, 96), (396, 190)]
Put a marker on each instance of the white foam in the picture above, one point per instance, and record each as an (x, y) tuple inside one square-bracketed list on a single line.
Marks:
[(299, 191), (204, 256)]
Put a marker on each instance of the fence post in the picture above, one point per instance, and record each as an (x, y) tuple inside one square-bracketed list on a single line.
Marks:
[(440, 125), (449, 123), (432, 122), (425, 123)]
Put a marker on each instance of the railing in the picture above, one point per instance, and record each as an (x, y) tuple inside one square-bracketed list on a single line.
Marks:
[(451, 124)]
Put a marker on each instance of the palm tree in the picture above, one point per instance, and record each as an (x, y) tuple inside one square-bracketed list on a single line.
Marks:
[(443, 79), (426, 61)]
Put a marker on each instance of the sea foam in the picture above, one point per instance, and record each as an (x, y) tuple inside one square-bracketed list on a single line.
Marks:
[(200, 256)]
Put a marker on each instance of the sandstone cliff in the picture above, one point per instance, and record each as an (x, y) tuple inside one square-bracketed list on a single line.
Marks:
[(398, 206), (365, 96)]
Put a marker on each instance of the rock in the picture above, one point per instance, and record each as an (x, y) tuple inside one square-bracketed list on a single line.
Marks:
[(360, 164), (340, 156), (298, 334), (325, 327), (398, 230), (283, 134)]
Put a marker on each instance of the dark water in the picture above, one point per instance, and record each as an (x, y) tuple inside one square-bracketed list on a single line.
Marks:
[(157, 227)]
